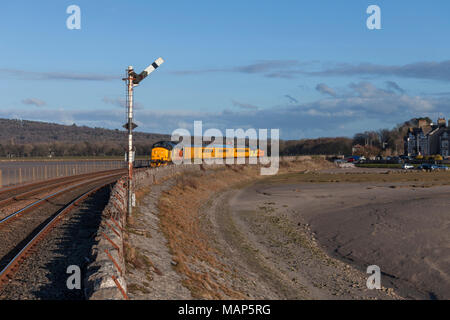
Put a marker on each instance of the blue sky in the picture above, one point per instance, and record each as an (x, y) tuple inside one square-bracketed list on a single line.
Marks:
[(309, 68)]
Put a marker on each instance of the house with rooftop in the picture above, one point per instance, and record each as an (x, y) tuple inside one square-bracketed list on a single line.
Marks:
[(426, 139)]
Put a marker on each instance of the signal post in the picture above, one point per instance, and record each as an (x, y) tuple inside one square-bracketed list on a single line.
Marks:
[(132, 80)]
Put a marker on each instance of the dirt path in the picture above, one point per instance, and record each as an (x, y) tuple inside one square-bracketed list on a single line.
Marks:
[(150, 274)]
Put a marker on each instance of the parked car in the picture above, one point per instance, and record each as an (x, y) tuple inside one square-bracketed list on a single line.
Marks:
[(407, 158), (435, 167), (432, 167), (407, 166), (396, 160), (361, 160), (425, 166)]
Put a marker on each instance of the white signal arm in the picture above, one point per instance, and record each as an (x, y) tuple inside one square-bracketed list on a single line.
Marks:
[(155, 65)]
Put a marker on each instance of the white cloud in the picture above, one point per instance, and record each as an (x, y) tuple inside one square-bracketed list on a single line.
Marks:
[(34, 101), (364, 107), (121, 102), (245, 106), (35, 75), (323, 88)]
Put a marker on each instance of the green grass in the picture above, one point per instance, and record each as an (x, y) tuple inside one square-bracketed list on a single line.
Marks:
[(381, 165)]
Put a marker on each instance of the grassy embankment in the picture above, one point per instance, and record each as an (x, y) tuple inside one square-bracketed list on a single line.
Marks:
[(382, 165)]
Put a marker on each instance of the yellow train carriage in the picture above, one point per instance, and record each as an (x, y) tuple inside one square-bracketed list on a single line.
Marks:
[(165, 152), (212, 152), (241, 152)]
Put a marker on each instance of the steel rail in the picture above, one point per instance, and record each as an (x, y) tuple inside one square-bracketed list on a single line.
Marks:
[(70, 179), (41, 201), (54, 180), (15, 261)]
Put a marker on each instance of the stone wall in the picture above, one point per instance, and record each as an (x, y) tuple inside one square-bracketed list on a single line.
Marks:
[(104, 277)]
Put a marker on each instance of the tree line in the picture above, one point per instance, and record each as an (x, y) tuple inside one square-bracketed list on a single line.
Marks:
[(58, 149), (384, 142)]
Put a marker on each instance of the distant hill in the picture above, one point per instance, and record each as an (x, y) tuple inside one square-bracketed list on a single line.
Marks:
[(23, 138), (24, 131)]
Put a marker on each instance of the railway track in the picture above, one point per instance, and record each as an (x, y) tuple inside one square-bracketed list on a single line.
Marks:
[(21, 230), (8, 195)]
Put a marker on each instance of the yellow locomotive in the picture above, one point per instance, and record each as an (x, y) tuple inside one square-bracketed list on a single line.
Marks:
[(165, 152)]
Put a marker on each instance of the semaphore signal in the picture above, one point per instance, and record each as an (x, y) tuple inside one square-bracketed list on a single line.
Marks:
[(139, 77), (133, 79)]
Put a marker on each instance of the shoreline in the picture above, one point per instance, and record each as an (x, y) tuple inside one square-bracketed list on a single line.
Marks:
[(231, 234)]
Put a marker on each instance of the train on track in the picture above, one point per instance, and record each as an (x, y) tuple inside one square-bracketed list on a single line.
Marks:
[(166, 152)]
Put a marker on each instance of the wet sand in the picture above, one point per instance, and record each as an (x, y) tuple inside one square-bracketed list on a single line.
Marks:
[(401, 227)]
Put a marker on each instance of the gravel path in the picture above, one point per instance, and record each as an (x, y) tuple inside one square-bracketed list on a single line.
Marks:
[(157, 278)]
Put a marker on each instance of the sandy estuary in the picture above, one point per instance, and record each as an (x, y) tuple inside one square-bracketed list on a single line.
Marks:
[(309, 232), (404, 230)]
